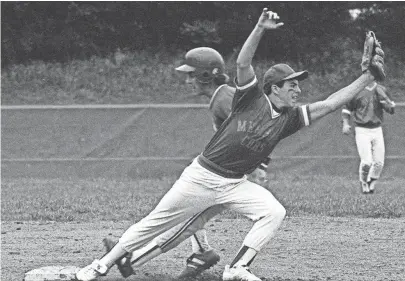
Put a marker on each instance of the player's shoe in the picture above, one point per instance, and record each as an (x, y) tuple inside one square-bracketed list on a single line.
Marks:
[(198, 262), (371, 185), (364, 187), (239, 273), (92, 271), (124, 264)]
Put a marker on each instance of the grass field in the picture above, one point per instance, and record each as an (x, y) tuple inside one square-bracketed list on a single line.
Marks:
[(101, 199)]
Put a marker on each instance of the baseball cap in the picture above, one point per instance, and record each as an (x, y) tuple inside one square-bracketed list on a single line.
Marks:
[(282, 72)]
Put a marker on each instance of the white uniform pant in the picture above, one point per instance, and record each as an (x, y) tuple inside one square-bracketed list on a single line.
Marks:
[(191, 197), (371, 149)]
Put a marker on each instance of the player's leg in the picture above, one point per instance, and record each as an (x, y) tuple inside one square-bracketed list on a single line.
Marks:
[(363, 142), (203, 255), (378, 154), (259, 205), (181, 201)]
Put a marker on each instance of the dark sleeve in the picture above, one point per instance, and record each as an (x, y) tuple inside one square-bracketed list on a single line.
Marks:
[(245, 93), (221, 107), (297, 118)]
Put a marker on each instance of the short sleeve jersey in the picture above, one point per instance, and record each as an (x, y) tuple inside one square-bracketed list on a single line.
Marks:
[(221, 104), (252, 130), (366, 108)]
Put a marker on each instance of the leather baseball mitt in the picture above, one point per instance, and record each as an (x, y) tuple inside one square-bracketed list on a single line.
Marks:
[(373, 57)]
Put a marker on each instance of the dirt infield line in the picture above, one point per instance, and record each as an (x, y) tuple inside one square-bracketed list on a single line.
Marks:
[(305, 248)]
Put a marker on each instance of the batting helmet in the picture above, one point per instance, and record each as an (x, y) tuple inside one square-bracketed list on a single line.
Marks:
[(205, 62)]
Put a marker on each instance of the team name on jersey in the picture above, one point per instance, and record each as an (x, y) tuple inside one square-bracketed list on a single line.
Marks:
[(249, 141), (253, 144)]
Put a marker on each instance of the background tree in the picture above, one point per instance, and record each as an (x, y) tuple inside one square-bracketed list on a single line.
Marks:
[(60, 31)]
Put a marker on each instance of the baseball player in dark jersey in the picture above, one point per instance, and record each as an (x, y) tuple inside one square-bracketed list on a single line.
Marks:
[(221, 96), (259, 119), (368, 116), (205, 71)]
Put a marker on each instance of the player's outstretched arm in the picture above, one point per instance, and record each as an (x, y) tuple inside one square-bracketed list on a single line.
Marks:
[(372, 66), (341, 97), (245, 70)]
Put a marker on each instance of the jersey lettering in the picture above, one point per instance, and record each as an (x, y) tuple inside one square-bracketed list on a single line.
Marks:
[(252, 144)]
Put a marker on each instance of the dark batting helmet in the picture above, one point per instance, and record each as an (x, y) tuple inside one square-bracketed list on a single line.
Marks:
[(206, 63)]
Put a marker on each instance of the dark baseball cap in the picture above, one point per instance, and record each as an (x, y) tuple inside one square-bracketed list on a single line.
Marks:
[(282, 72)]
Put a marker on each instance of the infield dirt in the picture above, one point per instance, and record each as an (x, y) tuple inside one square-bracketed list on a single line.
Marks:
[(305, 248)]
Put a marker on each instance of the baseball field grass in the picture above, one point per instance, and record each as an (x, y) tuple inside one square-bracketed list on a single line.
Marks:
[(102, 199)]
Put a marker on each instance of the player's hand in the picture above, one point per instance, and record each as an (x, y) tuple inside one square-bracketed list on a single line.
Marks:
[(346, 129), (268, 20), (389, 106), (259, 176)]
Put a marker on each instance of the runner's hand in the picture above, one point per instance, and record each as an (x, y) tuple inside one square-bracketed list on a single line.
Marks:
[(268, 20)]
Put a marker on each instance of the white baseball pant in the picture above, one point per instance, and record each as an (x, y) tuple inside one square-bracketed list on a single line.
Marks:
[(174, 236), (371, 149), (194, 193)]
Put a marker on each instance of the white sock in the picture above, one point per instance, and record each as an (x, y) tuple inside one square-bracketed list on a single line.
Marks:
[(246, 258), (112, 256)]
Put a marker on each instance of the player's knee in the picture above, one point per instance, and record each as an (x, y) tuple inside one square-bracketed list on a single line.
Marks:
[(379, 164), (280, 212), (276, 212), (365, 165)]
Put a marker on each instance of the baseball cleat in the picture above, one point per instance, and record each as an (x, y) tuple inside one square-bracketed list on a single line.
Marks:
[(198, 262), (364, 187), (371, 185), (92, 271), (124, 264), (239, 273)]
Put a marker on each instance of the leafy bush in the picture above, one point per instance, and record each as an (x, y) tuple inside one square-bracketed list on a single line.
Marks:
[(202, 33), (143, 77)]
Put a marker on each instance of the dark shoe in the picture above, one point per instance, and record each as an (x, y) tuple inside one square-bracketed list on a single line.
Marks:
[(197, 263), (124, 264)]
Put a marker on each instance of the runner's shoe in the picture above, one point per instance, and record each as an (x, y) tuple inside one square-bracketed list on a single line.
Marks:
[(364, 187), (239, 273), (124, 264), (92, 271), (198, 262), (371, 185)]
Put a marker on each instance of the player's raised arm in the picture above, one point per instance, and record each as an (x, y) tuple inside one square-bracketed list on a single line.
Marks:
[(245, 70), (373, 69)]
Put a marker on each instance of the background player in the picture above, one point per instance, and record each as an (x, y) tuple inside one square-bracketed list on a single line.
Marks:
[(260, 118), (367, 111)]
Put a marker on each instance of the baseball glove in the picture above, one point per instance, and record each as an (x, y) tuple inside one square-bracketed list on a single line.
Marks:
[(373, 57)]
